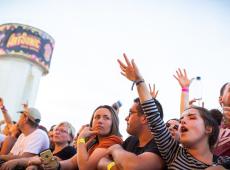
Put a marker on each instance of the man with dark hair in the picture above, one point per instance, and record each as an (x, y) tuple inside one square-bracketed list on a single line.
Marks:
[(222, 92), (32, 140), (139, 151)]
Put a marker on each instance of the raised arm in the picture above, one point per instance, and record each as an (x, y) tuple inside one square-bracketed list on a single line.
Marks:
[(153, 91), (5, 114), (166, 144), (184, 82), (84, 159), (131, 72)]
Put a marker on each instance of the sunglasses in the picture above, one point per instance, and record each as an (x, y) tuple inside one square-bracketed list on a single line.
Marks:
[(174, 127)]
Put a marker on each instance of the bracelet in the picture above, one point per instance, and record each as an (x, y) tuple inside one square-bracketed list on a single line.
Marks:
[(137, 82), (81, 140), (110, 165), (185, 89)]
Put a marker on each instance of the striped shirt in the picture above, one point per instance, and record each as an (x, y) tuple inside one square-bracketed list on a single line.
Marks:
[(175, 156)]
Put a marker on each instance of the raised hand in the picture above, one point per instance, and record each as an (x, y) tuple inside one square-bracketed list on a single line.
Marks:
[(87, 132), (129, 69), (78, 133), (182, 78), (153, 91)]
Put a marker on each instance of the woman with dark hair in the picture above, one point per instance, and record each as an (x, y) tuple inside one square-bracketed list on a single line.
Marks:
[(93, 140), (198, 130)]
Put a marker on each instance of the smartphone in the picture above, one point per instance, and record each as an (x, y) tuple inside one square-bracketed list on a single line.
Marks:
[(46, 155), (47, 158)]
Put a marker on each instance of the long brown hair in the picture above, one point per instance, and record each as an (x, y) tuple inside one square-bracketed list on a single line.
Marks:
[(115, 120), (209, 121)]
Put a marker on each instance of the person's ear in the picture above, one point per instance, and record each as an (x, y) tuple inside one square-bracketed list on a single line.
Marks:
[(144, 119)]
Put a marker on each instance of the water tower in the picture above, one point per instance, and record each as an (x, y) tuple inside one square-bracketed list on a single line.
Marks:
[(25, 56)]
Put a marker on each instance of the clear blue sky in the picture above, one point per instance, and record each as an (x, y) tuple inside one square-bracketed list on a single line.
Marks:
[(90, 35)]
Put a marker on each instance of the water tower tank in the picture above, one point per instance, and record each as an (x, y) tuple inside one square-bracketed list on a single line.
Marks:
[(25, 56)]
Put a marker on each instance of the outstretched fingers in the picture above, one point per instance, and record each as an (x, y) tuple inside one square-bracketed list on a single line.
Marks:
[(122, 65), (153, 91), (127, 60), (185, 73)]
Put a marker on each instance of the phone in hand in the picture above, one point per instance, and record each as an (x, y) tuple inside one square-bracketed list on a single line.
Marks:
[(48, 158), (46, 155)]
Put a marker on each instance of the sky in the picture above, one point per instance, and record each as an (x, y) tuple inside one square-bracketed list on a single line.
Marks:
[(90, 35)]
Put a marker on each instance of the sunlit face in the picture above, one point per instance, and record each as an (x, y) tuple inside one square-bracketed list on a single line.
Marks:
[(226, 95), (102, 121), (22, 121), (192, 128), (133, 121), (61, 134), (173, 126), (14, 129)]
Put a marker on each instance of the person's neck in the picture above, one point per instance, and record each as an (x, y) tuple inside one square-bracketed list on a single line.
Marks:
[(28, 130), (202, 153), (144, 137), (59, 146)]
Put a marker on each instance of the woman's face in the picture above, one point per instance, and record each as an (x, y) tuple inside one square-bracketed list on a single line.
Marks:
[(192, 128), (102, 121), (173, 126), (61, 134)]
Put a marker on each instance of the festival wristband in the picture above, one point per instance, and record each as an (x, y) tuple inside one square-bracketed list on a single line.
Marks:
[(185, 89), (81, 140), (110, 165)]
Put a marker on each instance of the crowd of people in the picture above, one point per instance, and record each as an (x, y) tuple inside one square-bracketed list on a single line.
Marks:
[(197, 139)]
